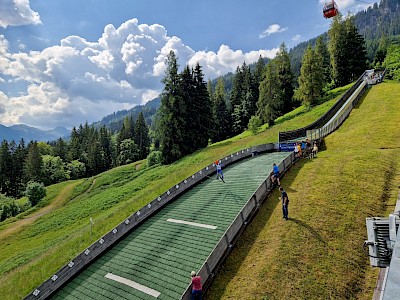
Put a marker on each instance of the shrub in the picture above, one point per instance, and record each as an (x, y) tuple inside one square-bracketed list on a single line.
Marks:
[(154, 158), (254, 124), (35, 192)]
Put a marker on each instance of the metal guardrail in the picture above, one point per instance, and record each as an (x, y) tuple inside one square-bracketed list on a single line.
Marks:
[(51, 285), (341, 115), (286, 136)]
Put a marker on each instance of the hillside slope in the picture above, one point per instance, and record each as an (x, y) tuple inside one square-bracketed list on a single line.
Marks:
[(318, 253), (36, 251)]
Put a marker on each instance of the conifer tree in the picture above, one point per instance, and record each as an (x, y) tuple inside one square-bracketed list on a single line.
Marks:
[(33, 163), (236, 101), (171, 114), (17, 170), (60, 149), (142, 139), (337, 51), (5, 167), (200, 112), (222, 123), (356, 52), (311, 78), (321, 50), (269, 104), (106, 148), (285, 79)]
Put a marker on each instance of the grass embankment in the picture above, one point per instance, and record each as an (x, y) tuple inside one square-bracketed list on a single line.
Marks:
[(36, 249), (318, 253)]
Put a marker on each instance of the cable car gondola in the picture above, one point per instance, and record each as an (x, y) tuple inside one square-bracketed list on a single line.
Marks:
[(330, 10)]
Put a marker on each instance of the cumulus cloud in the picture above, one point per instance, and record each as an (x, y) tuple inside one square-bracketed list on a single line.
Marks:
[(17, 12), (296, 37), (80, 80), (274, 28)]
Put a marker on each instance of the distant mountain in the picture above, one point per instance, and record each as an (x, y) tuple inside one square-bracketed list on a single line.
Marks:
[(114, 121), (20, 131)]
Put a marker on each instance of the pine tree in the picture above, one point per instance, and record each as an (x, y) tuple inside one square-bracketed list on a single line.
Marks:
[(201, 111), (75, 151), (142, 139), (17, 170), (236, 101), (285, 79), (106, 149), (311, 78), (356, 52), (60, 149), (171, 114), (321, 49), (248, 98), (33, 163), (222, 123), (5, 167), (337, 51), (269, 104)]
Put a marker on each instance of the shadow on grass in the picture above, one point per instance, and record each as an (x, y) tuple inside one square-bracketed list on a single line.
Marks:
[(308, 227), (250, 235)]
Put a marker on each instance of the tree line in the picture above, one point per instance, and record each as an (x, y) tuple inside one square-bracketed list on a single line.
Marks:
[(189, 117), (88, 152)]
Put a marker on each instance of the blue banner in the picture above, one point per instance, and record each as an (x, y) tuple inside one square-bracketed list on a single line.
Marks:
[(289, 147)]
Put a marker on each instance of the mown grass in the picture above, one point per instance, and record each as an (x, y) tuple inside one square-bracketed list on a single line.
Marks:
[(318, 253), (33, 252)]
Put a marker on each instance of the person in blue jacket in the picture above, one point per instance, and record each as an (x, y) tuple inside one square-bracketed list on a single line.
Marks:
[(275, 175)]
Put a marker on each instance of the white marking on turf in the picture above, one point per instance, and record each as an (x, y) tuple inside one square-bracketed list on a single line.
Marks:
[(192, 224), (133, 284)]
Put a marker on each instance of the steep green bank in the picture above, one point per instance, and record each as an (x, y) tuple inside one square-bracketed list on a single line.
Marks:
[(318, 253)]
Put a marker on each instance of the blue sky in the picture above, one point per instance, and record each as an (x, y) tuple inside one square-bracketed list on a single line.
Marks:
[(64, 62)]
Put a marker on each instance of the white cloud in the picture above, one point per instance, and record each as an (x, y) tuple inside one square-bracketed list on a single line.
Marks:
[(274, 28), (17, 12), (296, 37), (80, 80)]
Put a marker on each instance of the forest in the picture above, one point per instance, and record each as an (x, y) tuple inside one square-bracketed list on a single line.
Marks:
[(195, 113)]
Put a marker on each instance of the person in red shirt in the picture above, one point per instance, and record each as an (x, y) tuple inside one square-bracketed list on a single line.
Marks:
[(197, 289)]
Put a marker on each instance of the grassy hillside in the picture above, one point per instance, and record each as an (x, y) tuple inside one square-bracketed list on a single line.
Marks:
[(36, 246), (318, 253)]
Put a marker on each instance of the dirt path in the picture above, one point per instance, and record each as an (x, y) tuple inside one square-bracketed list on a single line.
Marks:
[(58, 202)]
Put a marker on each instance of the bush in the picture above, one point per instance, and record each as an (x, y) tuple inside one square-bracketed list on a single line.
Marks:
[(255, 124), (35, 192), (154, 158)]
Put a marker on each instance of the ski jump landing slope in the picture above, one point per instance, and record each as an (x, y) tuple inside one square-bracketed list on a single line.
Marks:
[(155, 260)]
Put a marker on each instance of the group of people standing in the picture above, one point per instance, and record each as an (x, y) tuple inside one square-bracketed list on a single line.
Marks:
[(306, 149)]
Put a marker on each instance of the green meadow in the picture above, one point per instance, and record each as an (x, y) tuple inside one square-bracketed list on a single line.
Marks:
[(317, 254)]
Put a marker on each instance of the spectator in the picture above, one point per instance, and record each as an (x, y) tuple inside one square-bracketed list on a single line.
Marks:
[(315, 150), (285, 203), (275, 175), (197, 289), (296, 151)]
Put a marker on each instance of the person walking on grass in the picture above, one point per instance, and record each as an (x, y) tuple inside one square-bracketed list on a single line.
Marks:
[(197, 289), (285, 203)]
